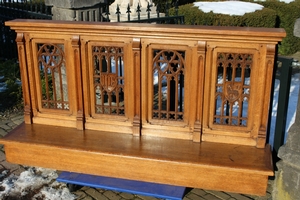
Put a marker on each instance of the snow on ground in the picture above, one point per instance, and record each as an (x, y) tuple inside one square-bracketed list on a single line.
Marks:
[(293, 101), (35, 184), (231, 7), (228, 7)]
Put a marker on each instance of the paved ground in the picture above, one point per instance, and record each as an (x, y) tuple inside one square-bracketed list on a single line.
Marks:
[(87, 193)]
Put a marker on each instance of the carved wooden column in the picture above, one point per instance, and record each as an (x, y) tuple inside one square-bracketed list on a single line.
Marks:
[(201, 63), (136, 48), (24, 77), (79, 95), (269, 62)]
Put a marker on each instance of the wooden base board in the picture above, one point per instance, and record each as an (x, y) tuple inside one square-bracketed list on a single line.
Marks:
[(207, 165)]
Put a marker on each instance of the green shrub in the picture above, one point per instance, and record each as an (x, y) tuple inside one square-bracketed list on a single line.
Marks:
[(275, 14), (287, 14), (260, 18), (10, 78)]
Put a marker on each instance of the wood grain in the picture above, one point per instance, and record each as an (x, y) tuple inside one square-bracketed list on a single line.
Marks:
[(225, 167), (186, 131), (198, 64)]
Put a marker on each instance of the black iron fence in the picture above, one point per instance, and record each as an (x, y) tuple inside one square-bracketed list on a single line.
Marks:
[(33, 9), (25, 9), (13, 9), (8, 46), (284, 71)]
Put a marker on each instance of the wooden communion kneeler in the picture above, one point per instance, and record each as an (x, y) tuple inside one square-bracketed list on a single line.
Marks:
[(122, 185), (189, 104)]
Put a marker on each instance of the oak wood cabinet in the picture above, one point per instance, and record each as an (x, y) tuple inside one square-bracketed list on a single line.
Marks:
[(190, 84)]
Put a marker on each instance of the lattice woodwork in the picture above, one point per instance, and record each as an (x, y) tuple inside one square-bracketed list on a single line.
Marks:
[(108, 80), (168, 85), (53, 76), (232, 89)]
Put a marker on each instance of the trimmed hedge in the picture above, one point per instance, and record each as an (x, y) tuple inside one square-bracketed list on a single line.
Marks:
[(287, 15), (274, 14), (260, 18)]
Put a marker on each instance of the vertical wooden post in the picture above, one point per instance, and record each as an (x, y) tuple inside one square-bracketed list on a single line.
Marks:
[(200, 89), (270, 57), (136, 53), (79, 95), (24, 78)]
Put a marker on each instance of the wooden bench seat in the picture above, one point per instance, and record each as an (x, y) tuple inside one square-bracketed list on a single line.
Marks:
[(207, 165)]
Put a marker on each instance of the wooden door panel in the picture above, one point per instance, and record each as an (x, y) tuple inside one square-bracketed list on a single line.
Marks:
[(233, 91), (110, 85), (167, 77), (54, 99)]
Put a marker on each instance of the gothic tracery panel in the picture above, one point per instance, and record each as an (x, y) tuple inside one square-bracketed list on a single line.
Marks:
[(232, 92), (53, 76), (168, 84), (108, 78)]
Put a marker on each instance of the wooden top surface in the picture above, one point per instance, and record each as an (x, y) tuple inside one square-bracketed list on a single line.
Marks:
[(237, 157), (142, 29)]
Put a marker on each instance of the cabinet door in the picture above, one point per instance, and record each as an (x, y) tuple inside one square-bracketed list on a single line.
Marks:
[(169, 82), (234, 82)]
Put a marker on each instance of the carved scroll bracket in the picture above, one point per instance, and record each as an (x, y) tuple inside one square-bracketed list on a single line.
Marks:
[(20, 38), (75, 41), (201, 47), (136, 44)]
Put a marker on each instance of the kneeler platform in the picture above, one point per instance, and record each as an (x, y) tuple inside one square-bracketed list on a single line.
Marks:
[(163, 191), (206, 165)]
